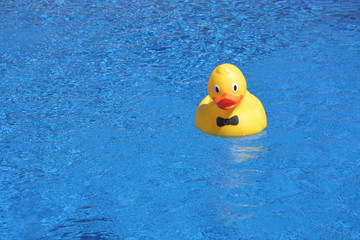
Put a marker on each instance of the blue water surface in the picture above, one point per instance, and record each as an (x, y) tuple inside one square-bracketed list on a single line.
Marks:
[(97, 105)]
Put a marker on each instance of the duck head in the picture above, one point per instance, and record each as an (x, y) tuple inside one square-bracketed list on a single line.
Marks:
[(227, 86)]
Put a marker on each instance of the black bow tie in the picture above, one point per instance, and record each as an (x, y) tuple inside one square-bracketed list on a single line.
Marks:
[(227, 121)]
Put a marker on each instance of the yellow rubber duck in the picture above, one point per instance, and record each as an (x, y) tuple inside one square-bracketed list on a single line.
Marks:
[(229, 110)]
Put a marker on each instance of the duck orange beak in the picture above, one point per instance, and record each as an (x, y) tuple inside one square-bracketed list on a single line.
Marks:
[(227, 101)]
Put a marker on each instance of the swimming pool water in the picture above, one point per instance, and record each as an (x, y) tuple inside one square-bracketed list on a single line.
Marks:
[(97, 105)]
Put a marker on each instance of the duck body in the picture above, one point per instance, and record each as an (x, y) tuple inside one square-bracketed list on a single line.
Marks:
[(229, 110)]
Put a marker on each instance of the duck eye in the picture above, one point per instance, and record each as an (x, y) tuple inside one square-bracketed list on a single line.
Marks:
[(217, 88), (235, 87)]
